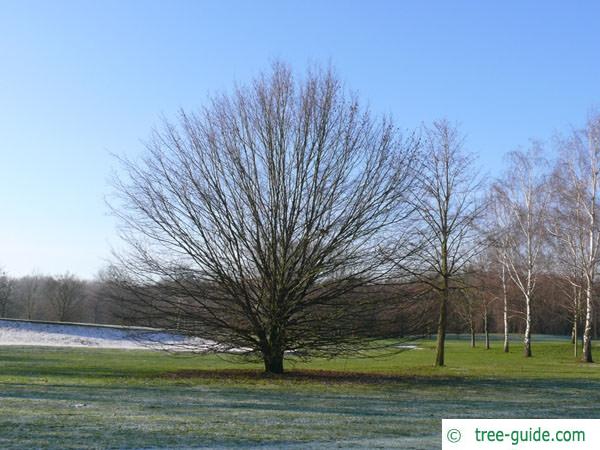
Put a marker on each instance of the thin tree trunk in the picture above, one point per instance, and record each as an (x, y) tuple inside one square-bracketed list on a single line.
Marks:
[(445, 294), (505, 307), (592, 254), (587, 330), (486, 328), (472, 327), (574, 337), (441, 332), (575, 333), (527, 338)]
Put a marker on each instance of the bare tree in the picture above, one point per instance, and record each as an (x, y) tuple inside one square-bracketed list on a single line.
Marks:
[(27, 293), (522, 205), (576, 226), (503, 284), (468, 306), (478, 295), (66, 294), (498, 227), (6, 289), (567, 229), (255, 223), (489, 295), (448, 204)]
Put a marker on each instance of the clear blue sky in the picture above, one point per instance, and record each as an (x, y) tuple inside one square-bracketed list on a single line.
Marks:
[(82, 79)]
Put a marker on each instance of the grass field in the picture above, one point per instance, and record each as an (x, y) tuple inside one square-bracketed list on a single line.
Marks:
[(90, 398)]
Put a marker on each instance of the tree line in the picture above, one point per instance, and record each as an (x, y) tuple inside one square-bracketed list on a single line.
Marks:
[(62, 298)]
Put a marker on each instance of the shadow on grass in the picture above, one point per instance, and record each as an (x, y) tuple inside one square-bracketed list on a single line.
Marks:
[(373, 378), (331, 376)]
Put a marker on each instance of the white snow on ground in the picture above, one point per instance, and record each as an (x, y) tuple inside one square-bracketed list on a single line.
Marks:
[(410, 347), (20, 332)]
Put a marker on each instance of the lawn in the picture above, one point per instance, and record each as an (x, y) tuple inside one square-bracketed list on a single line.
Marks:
[(90, 398)]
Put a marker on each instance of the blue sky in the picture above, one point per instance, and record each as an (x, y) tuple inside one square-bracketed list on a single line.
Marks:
[(81, 80)]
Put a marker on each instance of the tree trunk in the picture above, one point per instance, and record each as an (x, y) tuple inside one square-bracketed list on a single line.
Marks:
[(505, 306), (587, 330), (471, 326), (272, 351), (506, 345), (441, 332), (273, 363), (575, 332), (574, 337), (472, 335), (486, 329), (273, 360), (527, 338), (445, 294)]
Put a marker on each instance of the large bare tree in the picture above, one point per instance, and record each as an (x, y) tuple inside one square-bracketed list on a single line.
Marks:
[(523, 196), (261, 222), (449, 204)]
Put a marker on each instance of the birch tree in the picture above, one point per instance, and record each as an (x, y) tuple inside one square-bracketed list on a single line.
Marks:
[(503, 284), (567, 228), (577, 228), (523, 197), (498, 222)]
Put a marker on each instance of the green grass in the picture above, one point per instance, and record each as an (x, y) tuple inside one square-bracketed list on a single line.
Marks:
[(90, 398)]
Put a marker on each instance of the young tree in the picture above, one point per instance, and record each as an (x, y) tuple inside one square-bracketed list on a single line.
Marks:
[(503, 284), (498, 220), (448, 203), (489, 296), (522, 196), (255, 223), (478, 295), (468, 311), (577, 226)]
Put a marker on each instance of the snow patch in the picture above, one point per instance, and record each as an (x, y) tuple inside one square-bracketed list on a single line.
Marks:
[(18, 332)]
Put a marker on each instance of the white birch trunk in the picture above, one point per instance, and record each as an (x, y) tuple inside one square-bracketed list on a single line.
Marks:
[(505, 310), (527, 337)]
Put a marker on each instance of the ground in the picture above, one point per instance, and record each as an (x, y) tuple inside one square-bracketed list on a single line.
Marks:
[(98, 398)]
